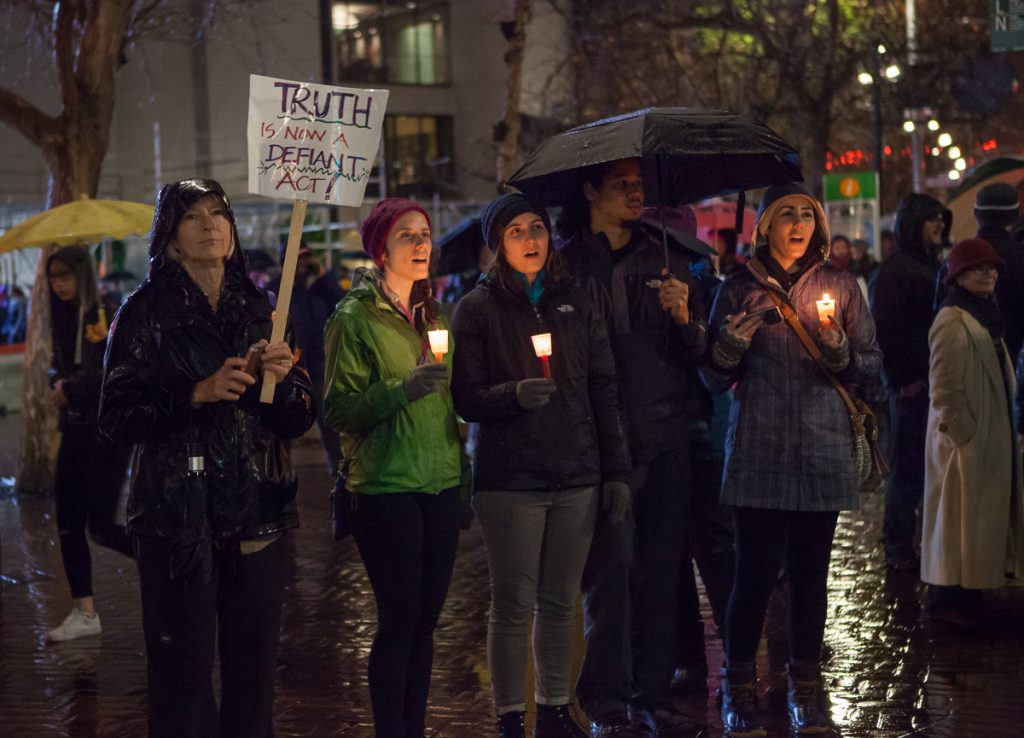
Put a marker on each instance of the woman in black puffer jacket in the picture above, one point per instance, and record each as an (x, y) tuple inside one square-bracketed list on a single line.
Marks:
[(212, 488), (549, 450)]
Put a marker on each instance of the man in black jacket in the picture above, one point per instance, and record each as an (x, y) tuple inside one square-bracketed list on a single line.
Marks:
[(902, 295), (997, 208), (656, 325)]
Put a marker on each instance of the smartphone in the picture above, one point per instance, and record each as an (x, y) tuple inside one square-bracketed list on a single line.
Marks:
[(252, 360), (770, 316)]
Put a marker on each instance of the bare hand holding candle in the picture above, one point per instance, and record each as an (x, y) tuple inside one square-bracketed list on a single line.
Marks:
[(826, 309), (438, 344), (542, 347)]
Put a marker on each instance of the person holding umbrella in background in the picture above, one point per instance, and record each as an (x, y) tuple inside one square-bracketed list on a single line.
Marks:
[(548, 448), (655, 320)]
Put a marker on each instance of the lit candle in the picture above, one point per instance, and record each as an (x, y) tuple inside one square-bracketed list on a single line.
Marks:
[(826, 308), (542, 347), (438, 343)]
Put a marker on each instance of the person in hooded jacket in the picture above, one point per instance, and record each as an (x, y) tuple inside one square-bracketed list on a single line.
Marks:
[(790, 465), (548, 447), (212, 489), (391, 403), (973, 514), (90, 469), (902, 295)]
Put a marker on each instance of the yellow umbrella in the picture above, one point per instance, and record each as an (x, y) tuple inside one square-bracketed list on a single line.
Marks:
[(84, 220)]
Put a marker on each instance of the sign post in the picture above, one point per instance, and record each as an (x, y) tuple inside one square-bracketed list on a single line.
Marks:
[(853, 208), (309, 143)]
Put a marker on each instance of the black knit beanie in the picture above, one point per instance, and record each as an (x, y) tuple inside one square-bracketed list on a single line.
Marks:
[(501, 211)]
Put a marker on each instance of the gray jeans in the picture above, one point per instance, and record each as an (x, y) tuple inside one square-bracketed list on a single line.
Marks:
[(537, 544)]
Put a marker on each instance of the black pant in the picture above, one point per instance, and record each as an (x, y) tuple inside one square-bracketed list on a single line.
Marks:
[(182, 623), (710, 539), (88, 480), (606, 678), (662, 492), (904, 487), (764, 540), (408, 542)]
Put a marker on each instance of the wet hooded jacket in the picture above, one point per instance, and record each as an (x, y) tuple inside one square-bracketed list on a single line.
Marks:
[(902, 293), (575, 440), (789, 445), (79, 341), (164, 340), (653, 355), (391, 444)]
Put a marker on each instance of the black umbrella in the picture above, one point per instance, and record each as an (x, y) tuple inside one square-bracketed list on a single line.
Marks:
[(687, 154), (460, 247)]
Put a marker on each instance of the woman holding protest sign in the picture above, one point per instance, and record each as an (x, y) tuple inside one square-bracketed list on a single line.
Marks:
[(213, 491), (387, 394)]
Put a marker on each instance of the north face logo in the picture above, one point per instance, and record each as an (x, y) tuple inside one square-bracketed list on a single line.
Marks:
[(653, 283), (566, 309)]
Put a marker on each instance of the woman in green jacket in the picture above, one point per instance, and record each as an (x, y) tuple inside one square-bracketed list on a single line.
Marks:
[(390, 401)]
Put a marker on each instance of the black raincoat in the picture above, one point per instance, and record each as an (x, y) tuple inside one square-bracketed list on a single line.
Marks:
[(164, 340), (902, 293)]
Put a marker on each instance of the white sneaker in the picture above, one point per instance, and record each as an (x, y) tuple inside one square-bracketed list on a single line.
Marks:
[(75, 625)]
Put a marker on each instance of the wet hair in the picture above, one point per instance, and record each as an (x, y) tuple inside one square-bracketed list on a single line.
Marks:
[(172, 203)]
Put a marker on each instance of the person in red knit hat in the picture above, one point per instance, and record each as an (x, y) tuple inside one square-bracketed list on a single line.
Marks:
[(973, 512)]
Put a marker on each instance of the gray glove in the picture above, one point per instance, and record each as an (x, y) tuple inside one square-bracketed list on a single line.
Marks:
[(616, 501), (424, 379), (534, 393)]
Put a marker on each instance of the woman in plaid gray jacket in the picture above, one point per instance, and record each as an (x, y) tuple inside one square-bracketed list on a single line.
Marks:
[(789, 466)]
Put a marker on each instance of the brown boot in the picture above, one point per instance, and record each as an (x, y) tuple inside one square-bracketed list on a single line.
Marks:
[(806, 701), (739, 702)]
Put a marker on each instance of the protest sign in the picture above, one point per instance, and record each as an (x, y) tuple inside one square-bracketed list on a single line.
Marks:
[(309, 142), (312, 142)]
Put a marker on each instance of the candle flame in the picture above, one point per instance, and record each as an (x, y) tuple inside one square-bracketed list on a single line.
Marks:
[(825, 297)]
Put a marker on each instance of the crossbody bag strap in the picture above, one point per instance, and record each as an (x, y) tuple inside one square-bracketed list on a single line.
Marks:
[(793, 320)]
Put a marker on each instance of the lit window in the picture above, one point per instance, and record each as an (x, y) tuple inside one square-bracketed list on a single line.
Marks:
[(418, 155), (391, 42)]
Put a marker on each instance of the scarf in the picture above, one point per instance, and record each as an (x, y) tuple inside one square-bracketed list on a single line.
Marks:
[(786, 278), (983, 309)]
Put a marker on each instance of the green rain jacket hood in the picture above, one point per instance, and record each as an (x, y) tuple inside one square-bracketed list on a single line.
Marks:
[(392, 445)]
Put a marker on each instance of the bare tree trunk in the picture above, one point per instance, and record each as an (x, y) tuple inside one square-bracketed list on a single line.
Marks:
[(88, 42), (508, 150)]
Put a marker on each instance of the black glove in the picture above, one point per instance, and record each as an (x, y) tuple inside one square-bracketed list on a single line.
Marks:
[(424, 379), (616, 501), (534, 393)]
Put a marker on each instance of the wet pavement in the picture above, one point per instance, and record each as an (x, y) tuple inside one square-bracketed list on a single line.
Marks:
[(891, 672)]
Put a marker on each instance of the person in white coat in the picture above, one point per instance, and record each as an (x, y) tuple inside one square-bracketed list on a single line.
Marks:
[(973, 518)]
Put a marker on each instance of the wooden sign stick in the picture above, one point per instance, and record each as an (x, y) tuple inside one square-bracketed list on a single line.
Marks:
[(284, 297)]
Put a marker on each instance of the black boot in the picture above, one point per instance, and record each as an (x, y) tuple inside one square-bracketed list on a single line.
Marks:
[(511, 725), (739, 702), (555, 721), (806, 702)]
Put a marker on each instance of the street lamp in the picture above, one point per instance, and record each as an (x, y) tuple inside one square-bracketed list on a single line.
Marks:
[(945, 140)]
